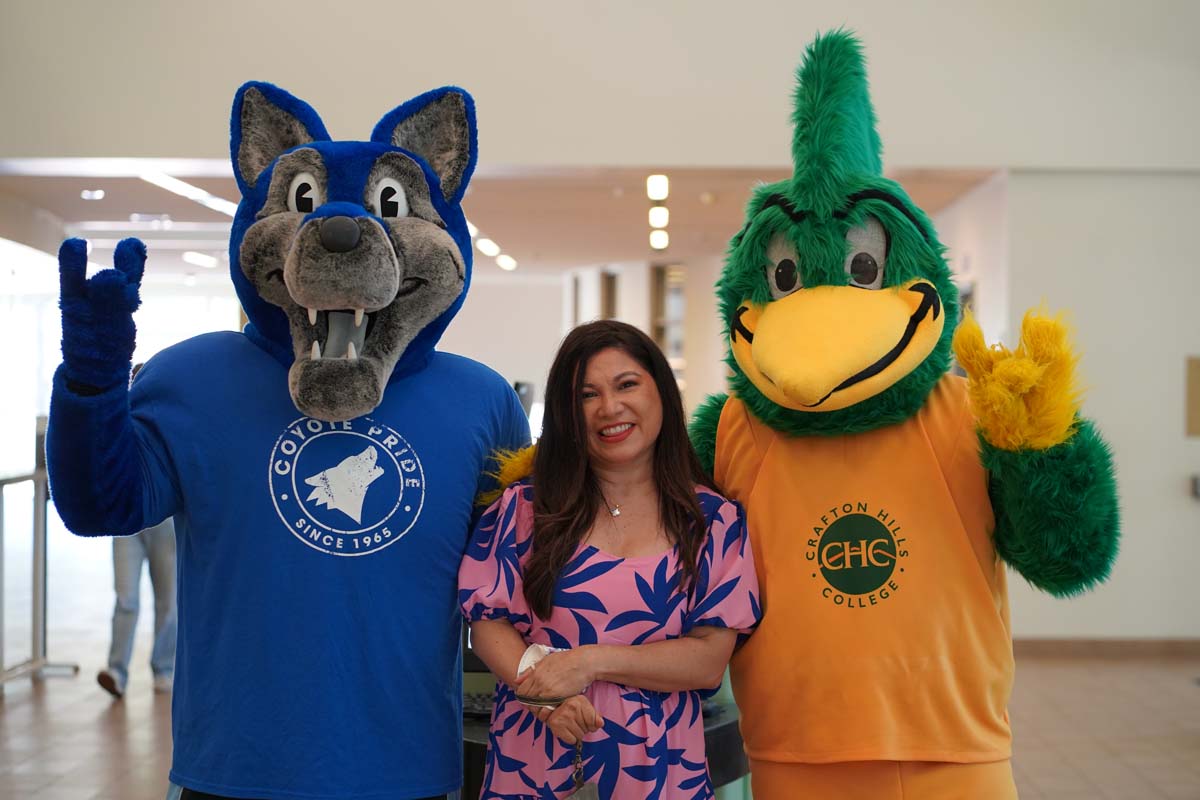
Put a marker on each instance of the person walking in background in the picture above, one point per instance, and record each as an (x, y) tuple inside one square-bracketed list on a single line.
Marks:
[(155, 545)]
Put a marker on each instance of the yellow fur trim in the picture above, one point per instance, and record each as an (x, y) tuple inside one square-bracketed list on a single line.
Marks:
[(511, 466), (1027, 398)]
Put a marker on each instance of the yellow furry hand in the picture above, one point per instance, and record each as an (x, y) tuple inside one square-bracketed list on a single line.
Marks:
[(1027, 398)]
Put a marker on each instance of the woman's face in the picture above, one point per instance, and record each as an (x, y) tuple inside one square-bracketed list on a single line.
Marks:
[(621, 409)]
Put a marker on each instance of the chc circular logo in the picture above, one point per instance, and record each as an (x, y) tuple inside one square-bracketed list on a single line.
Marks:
[(857, 554), (346, 488)]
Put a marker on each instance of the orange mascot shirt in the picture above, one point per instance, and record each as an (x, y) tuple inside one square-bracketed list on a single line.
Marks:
[(885, 632)]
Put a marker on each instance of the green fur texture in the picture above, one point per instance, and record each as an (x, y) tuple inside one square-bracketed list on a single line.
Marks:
[(1057, 519), (835, 141), (837, 154), (703, 429)]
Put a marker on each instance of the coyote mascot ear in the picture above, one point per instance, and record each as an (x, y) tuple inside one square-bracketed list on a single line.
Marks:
[(267, 122), (438, 126)]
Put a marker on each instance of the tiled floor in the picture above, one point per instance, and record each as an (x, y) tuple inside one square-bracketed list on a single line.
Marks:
[(1114, 729), (63, 739), (1124, 729)]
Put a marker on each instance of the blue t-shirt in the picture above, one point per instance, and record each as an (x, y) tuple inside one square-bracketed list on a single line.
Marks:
[(318, 651)]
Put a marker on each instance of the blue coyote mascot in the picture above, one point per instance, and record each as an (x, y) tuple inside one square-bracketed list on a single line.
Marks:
[(321, 465)]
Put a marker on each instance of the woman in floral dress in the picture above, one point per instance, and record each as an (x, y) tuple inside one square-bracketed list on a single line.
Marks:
[(620, 555)]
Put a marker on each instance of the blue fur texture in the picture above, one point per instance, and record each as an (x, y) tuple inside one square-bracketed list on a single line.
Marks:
[(98, 330), (95, 479)]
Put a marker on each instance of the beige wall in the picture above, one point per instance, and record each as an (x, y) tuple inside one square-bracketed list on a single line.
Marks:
[(512, 323), (1106, 84)]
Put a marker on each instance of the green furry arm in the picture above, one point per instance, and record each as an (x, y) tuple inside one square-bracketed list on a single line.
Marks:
[(1057, 521), (703, 430)]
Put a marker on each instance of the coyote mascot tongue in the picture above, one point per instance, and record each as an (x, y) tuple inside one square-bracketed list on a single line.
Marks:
[(881, 492), (321, 466)]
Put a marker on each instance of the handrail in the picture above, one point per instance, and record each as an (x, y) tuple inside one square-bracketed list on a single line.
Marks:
[(37, 666)]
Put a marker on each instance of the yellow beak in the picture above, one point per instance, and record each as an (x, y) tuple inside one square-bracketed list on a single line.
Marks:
[(829, 347)]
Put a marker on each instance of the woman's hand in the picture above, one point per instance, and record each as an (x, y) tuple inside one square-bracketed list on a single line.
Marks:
[(561, 674), (572, 720)]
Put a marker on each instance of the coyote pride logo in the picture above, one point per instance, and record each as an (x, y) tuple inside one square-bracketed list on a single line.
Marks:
[(346, 488)]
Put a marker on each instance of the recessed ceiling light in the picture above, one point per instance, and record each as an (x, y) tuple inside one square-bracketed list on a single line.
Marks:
[(657, 187), (487, 247), (92, 194), (659, 216), (707, 198), (471, 229), (164, 181), (200, 259), (659, 239), (155, 222), (505, 261)]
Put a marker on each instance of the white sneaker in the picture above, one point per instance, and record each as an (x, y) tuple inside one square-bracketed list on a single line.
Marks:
[(163, 684)]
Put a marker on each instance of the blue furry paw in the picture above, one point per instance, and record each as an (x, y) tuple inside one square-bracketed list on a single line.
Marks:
[(97, 313)]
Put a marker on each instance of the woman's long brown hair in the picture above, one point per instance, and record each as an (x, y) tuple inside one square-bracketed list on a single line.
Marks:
[(566, 495)]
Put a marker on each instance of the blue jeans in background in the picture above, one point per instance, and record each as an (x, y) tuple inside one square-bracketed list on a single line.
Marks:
[(156, 545)]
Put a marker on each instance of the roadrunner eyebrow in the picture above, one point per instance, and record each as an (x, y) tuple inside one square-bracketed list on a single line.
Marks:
[(796, 215)]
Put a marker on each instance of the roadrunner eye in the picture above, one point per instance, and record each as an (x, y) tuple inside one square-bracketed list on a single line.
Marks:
[(866, 254), (786, 275), (388, 199), (782, 268), (863, 269), (304, 194)]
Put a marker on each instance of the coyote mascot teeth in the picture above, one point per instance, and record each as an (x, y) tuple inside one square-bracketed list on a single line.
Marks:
[(883, 494), (321, 466)]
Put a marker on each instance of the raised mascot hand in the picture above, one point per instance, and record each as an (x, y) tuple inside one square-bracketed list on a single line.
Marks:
[(97, 315), (1024, 399)]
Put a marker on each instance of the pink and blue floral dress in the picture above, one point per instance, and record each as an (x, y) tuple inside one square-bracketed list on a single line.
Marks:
[(652, 743)]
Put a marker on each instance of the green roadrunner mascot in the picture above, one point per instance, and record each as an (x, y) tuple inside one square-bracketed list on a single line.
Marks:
[(883, 493)]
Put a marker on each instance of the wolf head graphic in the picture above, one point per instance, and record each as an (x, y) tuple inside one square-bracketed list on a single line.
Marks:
[(344, 487)]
